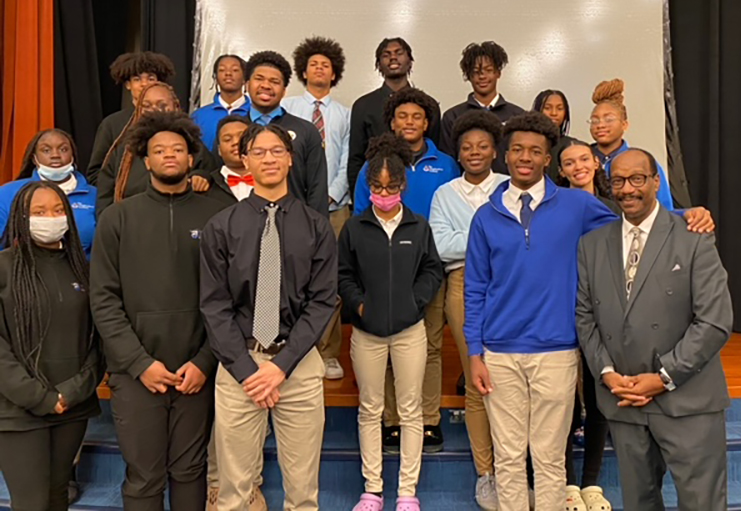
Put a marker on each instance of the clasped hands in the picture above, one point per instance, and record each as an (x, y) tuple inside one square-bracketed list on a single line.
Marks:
[(636, 390), (188, 379), (262, 386)]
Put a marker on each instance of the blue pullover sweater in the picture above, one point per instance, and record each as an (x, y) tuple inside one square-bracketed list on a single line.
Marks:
[(520, 288), (207, 118), (424, 177)]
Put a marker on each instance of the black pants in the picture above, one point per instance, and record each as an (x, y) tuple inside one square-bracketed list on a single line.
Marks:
[(37, 465), (163, 440), (595, 434)]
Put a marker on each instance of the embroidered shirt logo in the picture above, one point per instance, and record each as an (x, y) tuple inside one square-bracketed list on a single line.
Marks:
[(78, 287), (405, 242), (81, 205), (430, 168), (195, 234)]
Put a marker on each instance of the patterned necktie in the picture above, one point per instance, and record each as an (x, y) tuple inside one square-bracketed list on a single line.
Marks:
[(526, 214), (318, 119), (266, 323), (634, 257)]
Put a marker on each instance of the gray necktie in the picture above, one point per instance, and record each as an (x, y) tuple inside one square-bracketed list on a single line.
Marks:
[(634, 257), (266, 323)]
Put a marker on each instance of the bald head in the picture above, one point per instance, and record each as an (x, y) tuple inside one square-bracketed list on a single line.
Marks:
[(634, 179)]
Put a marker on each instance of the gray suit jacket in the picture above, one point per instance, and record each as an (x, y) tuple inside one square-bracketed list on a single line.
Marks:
[(679, 316)]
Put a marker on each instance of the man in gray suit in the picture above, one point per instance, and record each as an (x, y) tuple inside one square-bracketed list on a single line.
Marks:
[(652, 315)]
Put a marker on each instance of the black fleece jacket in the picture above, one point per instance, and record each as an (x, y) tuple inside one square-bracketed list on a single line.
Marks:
[(70, 358), (144, 282), (394, 279), (108, 130)]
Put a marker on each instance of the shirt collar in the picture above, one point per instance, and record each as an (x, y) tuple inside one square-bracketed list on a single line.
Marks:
[(537, 191), (395, 220), (485, 186), (309, 97), (226, 172), (259, 203), (255, 114), (644, 226), (239, 102), (490, 105)]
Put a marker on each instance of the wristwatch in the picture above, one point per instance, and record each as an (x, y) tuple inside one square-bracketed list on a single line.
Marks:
[(667, 380)]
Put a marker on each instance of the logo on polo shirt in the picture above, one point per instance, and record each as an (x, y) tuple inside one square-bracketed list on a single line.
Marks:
[(432, 169), (292, 134), (78, 287), (195, 234), (81, 205)]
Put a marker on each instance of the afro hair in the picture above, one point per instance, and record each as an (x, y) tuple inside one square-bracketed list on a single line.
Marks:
[(480, 119), (319, 46), (486, 50), (409, 95), (272, 59), (534, 122), (133, 64), (155, 122)]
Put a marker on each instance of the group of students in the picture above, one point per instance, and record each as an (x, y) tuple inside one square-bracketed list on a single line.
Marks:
[(224, 249)]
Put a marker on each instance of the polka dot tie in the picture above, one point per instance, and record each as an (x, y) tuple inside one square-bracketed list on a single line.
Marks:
[(266, 323), (634, 257)]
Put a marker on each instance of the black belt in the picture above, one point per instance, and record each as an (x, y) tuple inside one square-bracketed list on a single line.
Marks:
[(273, 349)]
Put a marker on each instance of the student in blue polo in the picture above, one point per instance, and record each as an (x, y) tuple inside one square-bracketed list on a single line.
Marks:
[(231, 98), (409, 112), (51, 156)]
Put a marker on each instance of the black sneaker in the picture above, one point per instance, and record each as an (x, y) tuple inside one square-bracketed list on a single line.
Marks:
[(392, 439), (433, 439), (460, 385)]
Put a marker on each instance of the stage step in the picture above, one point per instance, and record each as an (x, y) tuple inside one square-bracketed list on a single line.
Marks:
[(446, 483)]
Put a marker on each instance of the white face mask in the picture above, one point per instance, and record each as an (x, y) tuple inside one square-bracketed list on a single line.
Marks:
[(48, 229), (55, 174)]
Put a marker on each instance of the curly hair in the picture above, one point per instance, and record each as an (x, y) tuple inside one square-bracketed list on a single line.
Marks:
[(539, 105), (254, 129), (242, 65), (601, 184), (611, 92), (28, 165), (155, 122), (479, 119), (319, 46), (230, 119), (272, 59), (382, 47), (135, 63), (390, 152), (409, 95), (533, 122), (486, 50)]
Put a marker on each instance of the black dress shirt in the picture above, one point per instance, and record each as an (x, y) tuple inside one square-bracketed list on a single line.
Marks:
[(230, 254)]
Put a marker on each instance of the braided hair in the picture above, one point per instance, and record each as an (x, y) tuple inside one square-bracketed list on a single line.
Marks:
[(389, 152), (124, 169), (30, 295), (28, 165)]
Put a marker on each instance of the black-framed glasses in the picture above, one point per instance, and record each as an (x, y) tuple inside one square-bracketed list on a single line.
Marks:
[(391, 189), (637, 180)]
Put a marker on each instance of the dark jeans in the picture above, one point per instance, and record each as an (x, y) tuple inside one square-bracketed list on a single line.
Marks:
[(163, 440), (595, 434), (37, 465)]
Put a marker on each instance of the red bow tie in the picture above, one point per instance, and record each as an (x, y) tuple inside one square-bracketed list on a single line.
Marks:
[(235, 180)]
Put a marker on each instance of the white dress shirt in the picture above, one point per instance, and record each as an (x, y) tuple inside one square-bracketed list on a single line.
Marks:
[(230, 108), (493, 102), (390, 225), (645, 228), (336, 141), (511, 197), (242, 190), (477, 195)]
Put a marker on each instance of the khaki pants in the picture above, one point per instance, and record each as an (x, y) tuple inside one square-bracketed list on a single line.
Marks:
[(477, 421), (369, 353), (331, 342), (532, 404), (298, 423), (432, 387)]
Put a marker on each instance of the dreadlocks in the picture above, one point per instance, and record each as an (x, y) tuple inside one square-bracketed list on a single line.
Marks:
[(28, 165), (475, 52), (31, 312), (122, 176)]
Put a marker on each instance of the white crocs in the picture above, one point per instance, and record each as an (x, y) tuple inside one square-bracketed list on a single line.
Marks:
[(595, 499), (574, 501)]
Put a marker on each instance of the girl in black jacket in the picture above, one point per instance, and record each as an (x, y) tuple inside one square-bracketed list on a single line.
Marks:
[(389, 270), (49, 358)]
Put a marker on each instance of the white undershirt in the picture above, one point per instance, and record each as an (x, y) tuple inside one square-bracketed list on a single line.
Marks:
[(511, 197), (242, 190), (237, 103), (390, 225)]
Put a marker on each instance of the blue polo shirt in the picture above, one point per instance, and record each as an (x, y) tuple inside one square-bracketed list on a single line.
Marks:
[(207, 118)]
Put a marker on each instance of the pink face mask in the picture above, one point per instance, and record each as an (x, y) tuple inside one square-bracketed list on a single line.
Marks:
[(385, 202)]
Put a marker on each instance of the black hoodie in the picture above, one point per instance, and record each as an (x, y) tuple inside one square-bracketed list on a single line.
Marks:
[(70, 358), (393, 278), (144, 279)]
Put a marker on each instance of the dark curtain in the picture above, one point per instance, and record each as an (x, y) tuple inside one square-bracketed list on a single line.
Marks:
[(706, 52), (168, 27)]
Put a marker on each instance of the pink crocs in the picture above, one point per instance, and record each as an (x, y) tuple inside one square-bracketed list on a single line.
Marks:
[(369, 502), (407, 504)]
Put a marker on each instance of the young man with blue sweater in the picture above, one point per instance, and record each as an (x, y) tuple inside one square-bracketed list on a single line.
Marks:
[(520, 296), (409, 113)]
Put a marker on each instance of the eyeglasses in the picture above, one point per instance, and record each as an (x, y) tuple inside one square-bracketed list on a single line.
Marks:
[(259, 152), (636, 180), (391, 189), (594, 121)]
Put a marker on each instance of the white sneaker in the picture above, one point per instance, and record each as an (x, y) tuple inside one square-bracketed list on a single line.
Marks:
[(486, 493), (333, 369), (594, 499), (574, 502)]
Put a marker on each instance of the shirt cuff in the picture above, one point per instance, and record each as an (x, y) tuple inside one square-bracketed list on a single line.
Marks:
[(607, 369), (475, 348)]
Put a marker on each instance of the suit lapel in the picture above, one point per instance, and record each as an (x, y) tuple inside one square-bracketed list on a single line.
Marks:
[(615, 255), (656, 239)]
